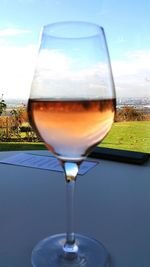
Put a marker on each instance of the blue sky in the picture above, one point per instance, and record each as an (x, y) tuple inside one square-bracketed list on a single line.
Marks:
[(127, 28)]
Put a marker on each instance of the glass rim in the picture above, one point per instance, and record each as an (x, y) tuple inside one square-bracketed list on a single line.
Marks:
[(93, 29)]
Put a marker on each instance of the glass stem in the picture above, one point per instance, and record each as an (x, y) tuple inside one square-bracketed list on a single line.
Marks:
[(70, 248)]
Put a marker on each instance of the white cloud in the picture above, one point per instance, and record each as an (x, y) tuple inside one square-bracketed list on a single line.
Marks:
[(16, 70), (54, 61), (136, 62), (131, 74), (59, 74), (12, 32)]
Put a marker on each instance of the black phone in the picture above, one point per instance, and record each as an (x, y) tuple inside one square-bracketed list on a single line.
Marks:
[(120, 155)]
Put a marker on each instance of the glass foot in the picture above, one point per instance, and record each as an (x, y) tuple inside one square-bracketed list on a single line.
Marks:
[(49, 253)]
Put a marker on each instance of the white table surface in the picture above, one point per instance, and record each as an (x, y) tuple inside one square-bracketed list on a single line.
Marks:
[(112, 205)]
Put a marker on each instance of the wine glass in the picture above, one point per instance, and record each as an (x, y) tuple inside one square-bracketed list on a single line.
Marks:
[(72, 107)]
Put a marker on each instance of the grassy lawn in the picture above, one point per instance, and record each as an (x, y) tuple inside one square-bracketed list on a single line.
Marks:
[(133, 136), (18, 146)]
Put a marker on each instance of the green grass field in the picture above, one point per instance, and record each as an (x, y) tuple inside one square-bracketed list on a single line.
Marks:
[(18, 146), (133, 136)]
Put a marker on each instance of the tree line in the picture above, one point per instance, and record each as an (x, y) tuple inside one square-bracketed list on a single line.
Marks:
[(131, 113), (15, 125)]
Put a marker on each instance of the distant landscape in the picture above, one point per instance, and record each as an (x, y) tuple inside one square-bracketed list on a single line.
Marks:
[(131, 130)]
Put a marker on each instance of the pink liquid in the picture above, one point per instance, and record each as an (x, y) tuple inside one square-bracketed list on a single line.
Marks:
[(70, 128)]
